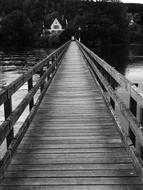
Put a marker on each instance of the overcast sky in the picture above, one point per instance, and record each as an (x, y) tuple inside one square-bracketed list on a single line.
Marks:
[(132, 1)]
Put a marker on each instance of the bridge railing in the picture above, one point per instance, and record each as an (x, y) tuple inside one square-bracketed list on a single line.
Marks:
[(131, 116), (46, 70)]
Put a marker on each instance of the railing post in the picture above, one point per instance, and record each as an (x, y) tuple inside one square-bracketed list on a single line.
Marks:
[(7, 112), (141, 116), (41, 74), (133, 106), (30, 86), (56, 57), (132, 136), (48, 65), (112, 103), (53, 59)]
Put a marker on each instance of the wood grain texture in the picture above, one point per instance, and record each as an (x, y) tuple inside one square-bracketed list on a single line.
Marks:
[(72, 143)]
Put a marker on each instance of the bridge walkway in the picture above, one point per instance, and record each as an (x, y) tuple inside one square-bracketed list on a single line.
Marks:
[(73, 142)]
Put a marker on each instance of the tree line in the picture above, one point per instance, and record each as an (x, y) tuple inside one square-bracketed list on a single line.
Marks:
[(22, 20), (136, 28)]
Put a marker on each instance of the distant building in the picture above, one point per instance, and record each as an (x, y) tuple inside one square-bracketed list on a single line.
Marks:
[(55, 25), (131, 23), (133, 18)]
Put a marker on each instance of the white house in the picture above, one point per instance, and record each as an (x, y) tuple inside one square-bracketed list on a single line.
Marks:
[(56, 26)]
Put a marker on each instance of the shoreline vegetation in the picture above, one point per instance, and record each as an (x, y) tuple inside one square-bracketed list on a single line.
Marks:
[(100, 23)]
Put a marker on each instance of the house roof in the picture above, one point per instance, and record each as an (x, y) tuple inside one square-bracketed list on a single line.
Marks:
[(62, 21)]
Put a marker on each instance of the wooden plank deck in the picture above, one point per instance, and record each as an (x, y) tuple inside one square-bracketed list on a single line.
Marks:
[(72, 144)]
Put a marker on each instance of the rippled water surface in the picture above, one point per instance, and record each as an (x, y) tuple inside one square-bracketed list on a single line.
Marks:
[(15, 63)]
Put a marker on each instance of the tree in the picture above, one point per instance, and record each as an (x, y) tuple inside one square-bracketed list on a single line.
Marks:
[(16, 28), (27, 7)]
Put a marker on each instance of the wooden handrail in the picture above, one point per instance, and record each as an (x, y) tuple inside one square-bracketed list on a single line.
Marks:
[(15, 85), (130, 87), (106, 77), (46, 68)]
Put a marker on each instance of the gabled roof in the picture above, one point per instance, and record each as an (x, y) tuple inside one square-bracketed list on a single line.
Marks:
[(56, 22), (62, 21)]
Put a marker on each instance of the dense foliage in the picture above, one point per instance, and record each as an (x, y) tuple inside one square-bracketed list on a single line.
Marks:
[(22, 20), (136, 30)]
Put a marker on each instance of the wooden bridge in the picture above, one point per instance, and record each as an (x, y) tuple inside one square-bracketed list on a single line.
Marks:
[(72, 138)]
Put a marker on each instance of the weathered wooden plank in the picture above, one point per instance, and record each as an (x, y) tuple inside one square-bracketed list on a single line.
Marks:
[(70, 133), (72, 141), (70, 150), (60, 134), (96, 147), (72, 181), (30, 155), (75, 187), (69, 130), (77, 173), (72, 138), (101, 160), (67, 125), (71, 167)]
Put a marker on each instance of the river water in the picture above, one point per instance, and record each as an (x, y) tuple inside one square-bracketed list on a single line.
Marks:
[(15, 63)]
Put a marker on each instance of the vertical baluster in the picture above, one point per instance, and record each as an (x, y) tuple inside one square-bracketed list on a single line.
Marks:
[(30, 86), (132, 137), (51, 62), (112, 103), (48, 65), (141, 152), (41, 74), (53, 59), (7, 112), (133, 106), (141, 116), (56, 61)]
